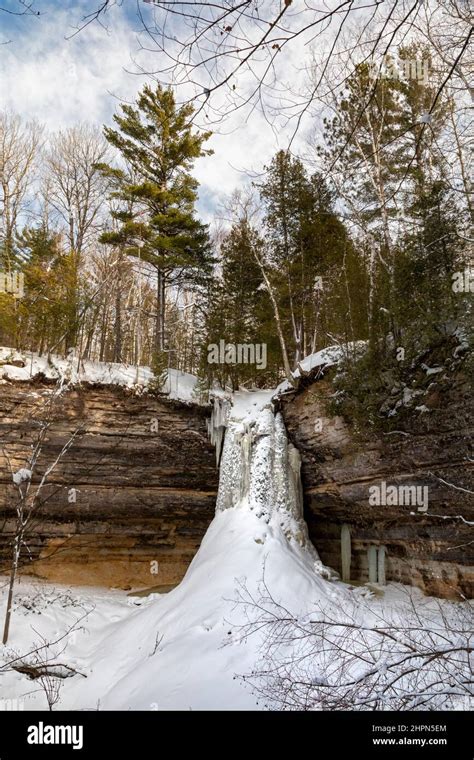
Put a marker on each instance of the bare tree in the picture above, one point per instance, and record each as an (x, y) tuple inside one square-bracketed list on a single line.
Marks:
[(237, 55), (43, 661), (76, 187), (361, 656), (76, 191), (445, 31), (19, 144), (21, 8), (242, 55)]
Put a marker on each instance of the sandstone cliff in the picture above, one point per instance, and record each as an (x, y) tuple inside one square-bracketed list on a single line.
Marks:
[(433, 550), (130, 502), (134, 494)]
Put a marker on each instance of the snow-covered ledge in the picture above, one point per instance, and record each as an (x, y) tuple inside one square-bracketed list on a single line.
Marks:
[(23, 366)]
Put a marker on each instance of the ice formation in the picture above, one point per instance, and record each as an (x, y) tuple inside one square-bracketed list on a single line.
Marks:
[(260, 470)]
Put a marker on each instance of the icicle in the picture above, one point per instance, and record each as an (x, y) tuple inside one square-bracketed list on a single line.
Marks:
[(295, 489), (217, 423), (381, 565), (246, 449), (260, 470), (280, 466), (346, 553), (372, 560), (218, 435)]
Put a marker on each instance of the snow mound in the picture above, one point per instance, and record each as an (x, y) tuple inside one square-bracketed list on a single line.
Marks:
[(201, 648), (326, 357), (178, 385)]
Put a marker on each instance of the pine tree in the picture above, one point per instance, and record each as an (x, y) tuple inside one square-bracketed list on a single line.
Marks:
[(398, 195), (41, 317), (157, 193), (310, 256), (429, 249), (364, 150), (239, 311)]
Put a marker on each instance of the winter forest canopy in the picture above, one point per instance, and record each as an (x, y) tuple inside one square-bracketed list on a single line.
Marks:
[(356, 228)]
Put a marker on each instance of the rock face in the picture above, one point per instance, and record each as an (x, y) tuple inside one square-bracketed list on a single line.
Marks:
[(432, 549), (129, 502)]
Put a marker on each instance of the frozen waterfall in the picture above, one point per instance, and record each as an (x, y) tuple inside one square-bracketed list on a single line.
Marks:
[(260, 470)]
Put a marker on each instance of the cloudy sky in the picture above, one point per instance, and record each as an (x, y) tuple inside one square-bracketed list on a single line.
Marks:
[(60, 80)]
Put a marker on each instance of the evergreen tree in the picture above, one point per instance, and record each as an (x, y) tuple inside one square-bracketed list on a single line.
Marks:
[(240, 313), (312, 260), (383, 145), (43, 313), (157, 193), (429, 249), (406, 211)]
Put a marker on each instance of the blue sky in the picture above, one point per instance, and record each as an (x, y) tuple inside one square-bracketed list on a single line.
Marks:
[(60, 81)]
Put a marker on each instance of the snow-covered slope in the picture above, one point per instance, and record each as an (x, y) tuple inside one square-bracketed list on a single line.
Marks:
[(258, 532), (198, 625), (178, 385)]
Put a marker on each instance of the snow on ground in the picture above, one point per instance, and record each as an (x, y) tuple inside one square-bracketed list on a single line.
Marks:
[(196, 626), (178, 385), (183, 650)]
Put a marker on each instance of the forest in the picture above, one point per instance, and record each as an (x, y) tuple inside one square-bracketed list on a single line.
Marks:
[(363, 238)]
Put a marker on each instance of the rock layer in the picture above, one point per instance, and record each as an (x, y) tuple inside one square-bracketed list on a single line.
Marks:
[(131, 500), (128, 504), (433, 550)]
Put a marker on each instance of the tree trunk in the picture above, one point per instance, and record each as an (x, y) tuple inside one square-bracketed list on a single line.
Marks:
[(163, 314), (276, 311), (13, 572), (118, 319), (158, 345)]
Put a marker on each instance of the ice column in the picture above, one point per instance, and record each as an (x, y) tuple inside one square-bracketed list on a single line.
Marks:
[(259, 469)]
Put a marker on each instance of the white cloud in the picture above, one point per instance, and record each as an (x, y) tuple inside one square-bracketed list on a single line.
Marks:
[(62, 81)]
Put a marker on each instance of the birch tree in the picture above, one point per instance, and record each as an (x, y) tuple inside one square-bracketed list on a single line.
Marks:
[(19, 145)]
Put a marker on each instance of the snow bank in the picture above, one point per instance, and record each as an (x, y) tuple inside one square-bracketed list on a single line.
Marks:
[(258, 532), (178, 385), (181, 650), (326, 357)]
